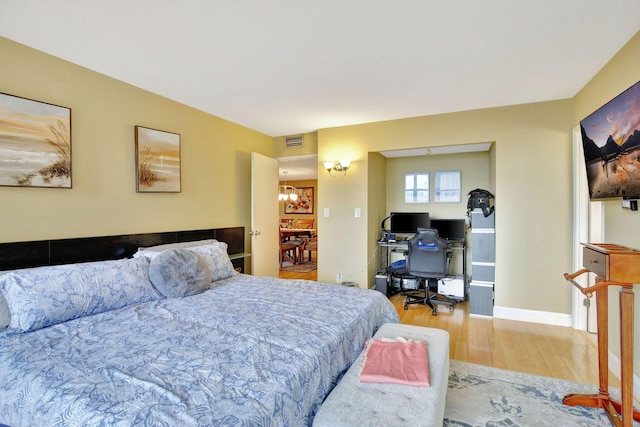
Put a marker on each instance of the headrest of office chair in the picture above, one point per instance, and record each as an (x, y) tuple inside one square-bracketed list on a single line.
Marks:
[(428, 239), (427, 245), (427, 232)]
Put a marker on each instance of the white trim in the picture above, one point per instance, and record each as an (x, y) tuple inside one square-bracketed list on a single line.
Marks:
[(481, 284), (484, 264), (483, 230), (580, 231), (588, 226), (481, 316), (534, 316)]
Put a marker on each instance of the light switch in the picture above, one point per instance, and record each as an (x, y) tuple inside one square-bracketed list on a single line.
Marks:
[(326, 212), (358, 213)]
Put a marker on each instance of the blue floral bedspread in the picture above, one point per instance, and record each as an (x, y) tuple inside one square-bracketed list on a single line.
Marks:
[(251, 351)]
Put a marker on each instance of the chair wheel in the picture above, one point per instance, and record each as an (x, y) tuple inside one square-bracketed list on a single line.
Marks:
[(406, 306), (434, 312)]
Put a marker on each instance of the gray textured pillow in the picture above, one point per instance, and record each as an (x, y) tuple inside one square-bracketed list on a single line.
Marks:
[(5, 316), (179, 273)]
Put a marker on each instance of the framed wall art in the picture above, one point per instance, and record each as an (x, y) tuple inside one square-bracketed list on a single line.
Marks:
[(157, 161), (35, 143), (303, 204), (447, 185)]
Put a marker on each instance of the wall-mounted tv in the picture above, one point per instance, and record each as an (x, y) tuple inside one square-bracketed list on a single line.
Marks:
[(408, 222), (611, 145)]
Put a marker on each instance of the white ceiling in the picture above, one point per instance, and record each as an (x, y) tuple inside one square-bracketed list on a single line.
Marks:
[(298, 167), (284, 67)]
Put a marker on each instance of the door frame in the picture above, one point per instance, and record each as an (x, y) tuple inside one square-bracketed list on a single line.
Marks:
[(588, 227)]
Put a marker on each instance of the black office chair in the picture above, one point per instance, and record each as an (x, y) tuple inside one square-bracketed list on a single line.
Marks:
[(428, 259)]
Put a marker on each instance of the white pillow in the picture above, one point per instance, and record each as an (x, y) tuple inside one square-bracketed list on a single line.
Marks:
[(43, 296), (153, 251), (217, 259)]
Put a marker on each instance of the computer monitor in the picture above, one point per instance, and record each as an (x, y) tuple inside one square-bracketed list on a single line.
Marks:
[(454, 230), (408, 222)]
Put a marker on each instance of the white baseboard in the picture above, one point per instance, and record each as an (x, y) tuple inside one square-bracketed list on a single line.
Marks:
[(544, 317)]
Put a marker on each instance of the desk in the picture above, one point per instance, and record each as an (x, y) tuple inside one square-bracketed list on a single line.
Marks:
[(385, 249), (297, 232), (614, 265)]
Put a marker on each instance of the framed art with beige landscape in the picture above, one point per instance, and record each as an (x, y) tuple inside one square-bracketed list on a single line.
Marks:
[(157, 161), (35, 143)]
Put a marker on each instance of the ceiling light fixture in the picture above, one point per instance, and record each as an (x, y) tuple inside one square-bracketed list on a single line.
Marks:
[(341, 166), (287, 192)]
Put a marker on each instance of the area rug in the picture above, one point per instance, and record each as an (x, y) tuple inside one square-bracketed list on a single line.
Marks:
[(480, 396), (305, 267)]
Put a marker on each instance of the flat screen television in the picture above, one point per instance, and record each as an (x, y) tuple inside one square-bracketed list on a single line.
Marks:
[(611, 146), (408, 222), (454, 230)]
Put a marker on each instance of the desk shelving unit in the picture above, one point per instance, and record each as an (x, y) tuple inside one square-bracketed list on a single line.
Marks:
[(386, 249)]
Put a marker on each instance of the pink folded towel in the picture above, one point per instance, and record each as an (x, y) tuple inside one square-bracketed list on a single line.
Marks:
[(397, 362)]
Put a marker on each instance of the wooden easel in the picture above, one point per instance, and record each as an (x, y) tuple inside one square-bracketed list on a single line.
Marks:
[(614, 265)]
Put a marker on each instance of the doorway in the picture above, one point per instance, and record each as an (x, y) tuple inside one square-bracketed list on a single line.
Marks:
[(298, 212)]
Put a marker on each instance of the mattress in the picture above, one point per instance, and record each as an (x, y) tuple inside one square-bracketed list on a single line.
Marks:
[(249, 351)]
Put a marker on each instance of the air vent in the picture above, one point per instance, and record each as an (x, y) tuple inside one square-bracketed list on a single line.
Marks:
[(293, 141)]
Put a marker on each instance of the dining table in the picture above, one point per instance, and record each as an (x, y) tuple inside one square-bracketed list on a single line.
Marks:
[(297, 232), (288, 233)]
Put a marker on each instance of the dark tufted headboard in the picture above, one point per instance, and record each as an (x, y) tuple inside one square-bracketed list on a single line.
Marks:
[(84, 249)]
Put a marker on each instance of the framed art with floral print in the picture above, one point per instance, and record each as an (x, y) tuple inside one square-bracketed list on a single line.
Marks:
[(303, 204), (157, 161), (35, 143)]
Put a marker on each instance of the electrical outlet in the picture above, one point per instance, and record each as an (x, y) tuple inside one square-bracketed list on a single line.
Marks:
[(339, 277)]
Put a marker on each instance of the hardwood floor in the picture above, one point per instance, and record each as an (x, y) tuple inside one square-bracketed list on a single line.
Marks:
[(533, 348), (551, 351)]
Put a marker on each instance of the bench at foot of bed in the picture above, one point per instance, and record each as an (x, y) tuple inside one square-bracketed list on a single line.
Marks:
[(352, 403)]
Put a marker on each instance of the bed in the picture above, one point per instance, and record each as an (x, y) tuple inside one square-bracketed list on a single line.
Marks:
[(241, 350)]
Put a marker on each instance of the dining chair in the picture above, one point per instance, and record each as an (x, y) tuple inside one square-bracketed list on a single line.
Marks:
[(305, 223), (288, 248), (310, 245), (286, 222)]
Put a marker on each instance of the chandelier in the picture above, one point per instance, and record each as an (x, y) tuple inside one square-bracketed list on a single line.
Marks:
[(287, 192)]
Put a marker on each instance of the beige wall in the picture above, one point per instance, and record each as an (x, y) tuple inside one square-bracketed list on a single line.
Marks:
[(529, 172), (216, 163), (621, 226), (474, 172)]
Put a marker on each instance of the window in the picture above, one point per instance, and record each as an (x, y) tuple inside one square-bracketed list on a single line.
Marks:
[(416, 188)]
